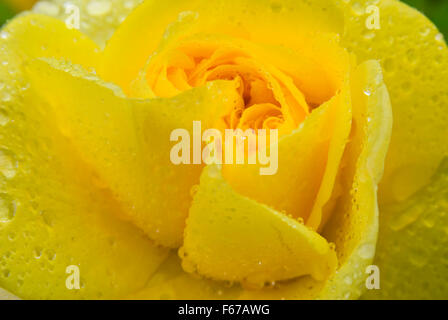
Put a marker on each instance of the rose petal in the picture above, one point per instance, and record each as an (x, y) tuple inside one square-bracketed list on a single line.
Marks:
[(304, 158), (54, 211), (35, 35), (230, 237), (355, 235)]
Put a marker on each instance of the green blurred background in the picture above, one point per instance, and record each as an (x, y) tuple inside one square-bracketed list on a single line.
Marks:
[(436, 10)]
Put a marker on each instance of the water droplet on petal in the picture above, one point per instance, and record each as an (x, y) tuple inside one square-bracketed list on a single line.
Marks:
[(366, 251), (4, 118), (129, 4), (6, 273), (6, 97), (37, 252)]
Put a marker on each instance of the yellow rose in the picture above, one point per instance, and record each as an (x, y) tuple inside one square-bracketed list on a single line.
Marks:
[(88, 184)]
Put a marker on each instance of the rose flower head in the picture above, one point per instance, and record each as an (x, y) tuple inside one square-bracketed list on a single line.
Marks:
[(219, 149)]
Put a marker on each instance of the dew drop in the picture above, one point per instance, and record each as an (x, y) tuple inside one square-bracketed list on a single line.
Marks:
[(47, 8), (435, 98), (6, 97), (388, 65), (6, 273), (366, 251), (98, 8), (37, 252), (418, 259), (4, 118), (8, 164), (425, 32), (411, 56), (7, 208), (369, 35), (439, 37), (46, 218), (4, 35), (357, 8), (51, 255), (429, 221), (129, 4), (406, 86)]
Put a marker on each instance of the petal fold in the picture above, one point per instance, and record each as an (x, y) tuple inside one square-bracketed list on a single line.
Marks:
[(414, 57), (128, 141)]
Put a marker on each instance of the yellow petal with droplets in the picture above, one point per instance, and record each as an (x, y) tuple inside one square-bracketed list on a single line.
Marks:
[(276, 247), (35, 35), (128, 141), (308, 161)]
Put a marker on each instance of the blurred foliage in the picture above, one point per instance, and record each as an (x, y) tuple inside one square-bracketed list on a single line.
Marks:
[(436, 10)]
